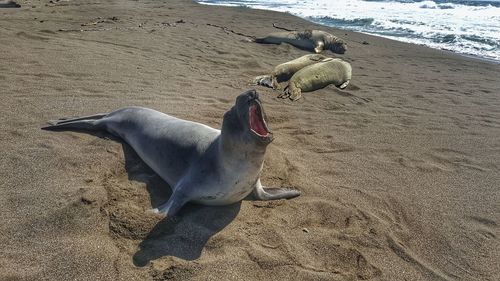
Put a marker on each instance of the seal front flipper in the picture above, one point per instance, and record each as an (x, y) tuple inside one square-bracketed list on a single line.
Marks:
[(273, 193), (173, 205), (344, 85), (292, 92), (319, 47)]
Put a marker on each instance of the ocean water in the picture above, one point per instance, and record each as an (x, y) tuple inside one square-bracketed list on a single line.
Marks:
[(469, 27)]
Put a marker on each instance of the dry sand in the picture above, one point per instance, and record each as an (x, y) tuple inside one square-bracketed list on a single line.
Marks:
[(399, 173)]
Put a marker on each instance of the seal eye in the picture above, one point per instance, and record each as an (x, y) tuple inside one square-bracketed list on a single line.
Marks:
[(257, 123)]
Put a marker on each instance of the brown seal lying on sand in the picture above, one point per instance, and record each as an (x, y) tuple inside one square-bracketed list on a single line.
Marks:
[(283, 72), (317, 76), (311, 40)]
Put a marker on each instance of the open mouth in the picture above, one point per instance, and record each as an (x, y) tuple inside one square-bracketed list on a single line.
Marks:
[(257, 123)]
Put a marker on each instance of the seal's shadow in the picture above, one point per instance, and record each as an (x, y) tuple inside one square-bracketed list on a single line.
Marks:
[(186, 235), (183, 236)]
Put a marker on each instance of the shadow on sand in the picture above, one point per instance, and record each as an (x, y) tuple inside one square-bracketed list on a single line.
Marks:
[(184, 235)]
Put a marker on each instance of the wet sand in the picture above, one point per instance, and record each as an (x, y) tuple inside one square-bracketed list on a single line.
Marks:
[(399, 173)]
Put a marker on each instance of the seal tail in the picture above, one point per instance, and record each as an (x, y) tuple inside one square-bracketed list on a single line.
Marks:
[(91, 122), (260, 40)]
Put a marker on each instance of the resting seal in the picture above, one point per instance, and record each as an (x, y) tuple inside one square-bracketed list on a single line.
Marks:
[(201, 164), (310, 40), (283, 72), (317, 76)]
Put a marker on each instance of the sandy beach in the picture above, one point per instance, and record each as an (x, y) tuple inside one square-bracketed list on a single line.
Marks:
[(399, 172)]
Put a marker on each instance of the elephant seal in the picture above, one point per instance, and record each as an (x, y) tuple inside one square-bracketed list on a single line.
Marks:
[(283, 72), (311, 40), (317, 76), (200, 163)]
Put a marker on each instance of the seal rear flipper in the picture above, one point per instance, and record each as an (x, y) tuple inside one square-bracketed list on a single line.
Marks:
[(260, 40), (273, 193), (269, 40), (80, 123)]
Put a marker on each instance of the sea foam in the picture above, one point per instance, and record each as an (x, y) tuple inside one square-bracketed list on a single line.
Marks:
[(467, 27)]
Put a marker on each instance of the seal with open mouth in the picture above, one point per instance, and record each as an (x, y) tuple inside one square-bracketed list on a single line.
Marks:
[(200, 163)]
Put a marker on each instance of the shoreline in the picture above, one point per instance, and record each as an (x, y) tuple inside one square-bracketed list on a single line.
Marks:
[(398, 172), (489, 59)]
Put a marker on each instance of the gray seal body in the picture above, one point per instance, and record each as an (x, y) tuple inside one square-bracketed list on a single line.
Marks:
[(311, 40), (200, 163)]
